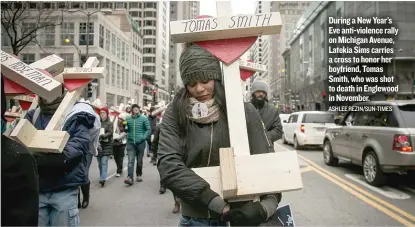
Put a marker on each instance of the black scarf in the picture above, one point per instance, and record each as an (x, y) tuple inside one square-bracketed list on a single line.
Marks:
[(258, 103), (50, 108)]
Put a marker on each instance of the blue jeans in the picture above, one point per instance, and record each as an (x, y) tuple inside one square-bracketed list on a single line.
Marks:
[(135, 151), (59, 208), (188, 221), (103, 167)]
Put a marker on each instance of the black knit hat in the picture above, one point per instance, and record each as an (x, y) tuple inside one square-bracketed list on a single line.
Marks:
[(197, 64), (135, 105)]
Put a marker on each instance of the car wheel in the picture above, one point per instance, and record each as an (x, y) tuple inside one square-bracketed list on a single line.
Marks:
[(296, 145), (371, 170), (283, 139), (329, 159)]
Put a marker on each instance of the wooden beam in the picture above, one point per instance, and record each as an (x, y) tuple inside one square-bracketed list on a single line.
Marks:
[(258, 175), (84, 73), (29, 77), (225, 27), (252, 66), (68, 101), (53, 64), (228, 173)]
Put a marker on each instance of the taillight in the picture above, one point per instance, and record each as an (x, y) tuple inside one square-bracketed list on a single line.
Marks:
[(302, 128), (402, 143)]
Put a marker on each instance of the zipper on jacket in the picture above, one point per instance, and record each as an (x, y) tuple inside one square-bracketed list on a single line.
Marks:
[(266, 136), (134, 135)]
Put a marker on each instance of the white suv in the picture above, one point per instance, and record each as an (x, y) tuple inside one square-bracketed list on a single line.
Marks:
[(307, 128)]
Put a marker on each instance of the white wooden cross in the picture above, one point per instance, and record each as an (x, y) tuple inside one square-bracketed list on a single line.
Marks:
[(240, 176), (252, 66), (52, 139)]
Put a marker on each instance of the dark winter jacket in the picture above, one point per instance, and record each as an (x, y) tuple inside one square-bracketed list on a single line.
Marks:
[(155, 142), (138, 128), (19, 185), (176, 158), (68, 169), (106, 139), (271, 119), (153, 123)]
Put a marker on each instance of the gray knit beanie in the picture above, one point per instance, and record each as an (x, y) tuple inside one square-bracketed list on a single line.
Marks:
[(197, 64), (259, 85)]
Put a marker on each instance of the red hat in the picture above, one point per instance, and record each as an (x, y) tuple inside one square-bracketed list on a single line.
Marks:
[(104, 108)]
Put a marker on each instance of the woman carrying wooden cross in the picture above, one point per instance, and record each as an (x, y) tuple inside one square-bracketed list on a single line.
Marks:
[(194, 128)]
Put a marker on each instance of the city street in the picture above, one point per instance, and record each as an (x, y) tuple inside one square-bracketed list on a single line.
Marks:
[(332, 196)]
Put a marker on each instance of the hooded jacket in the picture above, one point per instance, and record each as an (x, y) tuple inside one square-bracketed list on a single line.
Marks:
[(138, 129), (69, 169), (106, 139)]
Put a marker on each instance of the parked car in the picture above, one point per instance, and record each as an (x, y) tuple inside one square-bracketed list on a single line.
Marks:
[(284, 118), (307, 128), (380, 141)]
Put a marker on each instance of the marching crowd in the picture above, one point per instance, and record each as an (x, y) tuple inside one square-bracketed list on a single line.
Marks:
[(44, 189)]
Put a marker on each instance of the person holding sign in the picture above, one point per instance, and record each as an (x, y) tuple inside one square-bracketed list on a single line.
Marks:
[(269, 114), (60, 174), (194, 128)]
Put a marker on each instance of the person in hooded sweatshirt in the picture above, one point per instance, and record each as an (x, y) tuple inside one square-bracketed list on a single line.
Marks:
[(269, 114), (191, 140), (105, 141), (61, 174), (19, 179)]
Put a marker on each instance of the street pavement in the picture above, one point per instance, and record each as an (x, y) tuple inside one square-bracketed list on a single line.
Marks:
[(329, 198)]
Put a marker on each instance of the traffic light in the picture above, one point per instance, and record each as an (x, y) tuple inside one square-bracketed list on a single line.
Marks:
[(154, 95), (324, 94), (89, 90)]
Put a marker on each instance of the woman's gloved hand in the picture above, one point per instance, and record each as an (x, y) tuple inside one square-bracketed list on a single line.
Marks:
[(250, 214)]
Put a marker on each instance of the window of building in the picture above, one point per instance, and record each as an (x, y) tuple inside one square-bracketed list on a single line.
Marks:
[(107, 40), (76, 5), (134, 13), (108, 69), (113, 75), (47, 5), (127, 79), (133, 4), (127, 53), (44, 55), (122, 77), (113, 44), (119, 5), (83, 31), (91, 5), (106, 5), (32, 5), (149, 60), (118, 76), (118, 47), (68, 59), (123, 51), (149, 69), (101, 36), (67, 32), (28, 58)]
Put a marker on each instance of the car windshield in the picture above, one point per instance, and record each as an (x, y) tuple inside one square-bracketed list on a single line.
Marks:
[(408, 115), (319, 118)]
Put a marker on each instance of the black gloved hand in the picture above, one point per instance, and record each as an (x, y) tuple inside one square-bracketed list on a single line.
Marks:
[(250, 214)]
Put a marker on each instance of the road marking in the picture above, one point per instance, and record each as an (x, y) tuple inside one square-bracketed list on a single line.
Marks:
[(358, 193), (385, 190), (408, 189), (306, 169)]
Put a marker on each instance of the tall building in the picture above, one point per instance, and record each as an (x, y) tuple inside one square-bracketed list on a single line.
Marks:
[(114, 39), (153, 18), (179, 10), (261, 48), (290, 13)]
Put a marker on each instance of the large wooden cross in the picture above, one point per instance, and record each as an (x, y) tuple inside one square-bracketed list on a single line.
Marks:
[(52, 139), (240, 176)]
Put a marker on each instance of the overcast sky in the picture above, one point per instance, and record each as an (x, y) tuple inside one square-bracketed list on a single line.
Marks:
[(208, 7)]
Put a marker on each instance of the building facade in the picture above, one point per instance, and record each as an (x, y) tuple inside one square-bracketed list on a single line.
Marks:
[(306, 58), (261, 48), (290, 13), (179, 10), (113, 38)]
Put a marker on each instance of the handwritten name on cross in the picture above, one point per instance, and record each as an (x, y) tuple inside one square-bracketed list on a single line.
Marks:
[(31, 78), (51, 139)]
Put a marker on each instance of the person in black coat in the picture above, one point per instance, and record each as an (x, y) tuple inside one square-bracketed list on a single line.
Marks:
[(19, 180), (105, 142)]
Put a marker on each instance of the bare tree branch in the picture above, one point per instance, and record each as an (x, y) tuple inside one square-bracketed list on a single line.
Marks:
[(15, 15)]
